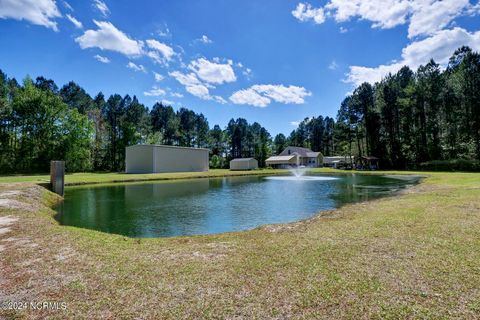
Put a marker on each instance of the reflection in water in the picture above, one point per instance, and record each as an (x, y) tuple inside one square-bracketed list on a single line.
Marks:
[(216, 205)]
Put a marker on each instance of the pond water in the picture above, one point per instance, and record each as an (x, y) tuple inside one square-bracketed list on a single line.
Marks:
[(216, 205)]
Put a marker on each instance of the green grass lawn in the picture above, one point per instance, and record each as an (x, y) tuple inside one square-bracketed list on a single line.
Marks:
[(88, 178), (415, 255)]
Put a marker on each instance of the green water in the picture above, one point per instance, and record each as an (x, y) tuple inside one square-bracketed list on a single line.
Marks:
[(204, 206)]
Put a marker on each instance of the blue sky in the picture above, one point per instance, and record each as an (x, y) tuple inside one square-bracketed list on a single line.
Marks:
[(270, 61)]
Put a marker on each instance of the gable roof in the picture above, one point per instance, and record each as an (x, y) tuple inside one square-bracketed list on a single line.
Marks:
[(301, 151), (313, 154)]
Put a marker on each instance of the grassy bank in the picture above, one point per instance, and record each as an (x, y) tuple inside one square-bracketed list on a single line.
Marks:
[(410, 256), (92, 178)]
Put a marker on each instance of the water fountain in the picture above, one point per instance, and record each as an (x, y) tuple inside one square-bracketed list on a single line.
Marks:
[(298, 174)]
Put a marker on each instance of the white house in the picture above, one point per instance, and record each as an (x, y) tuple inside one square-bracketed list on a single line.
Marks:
[(296, 156), (145, 158)]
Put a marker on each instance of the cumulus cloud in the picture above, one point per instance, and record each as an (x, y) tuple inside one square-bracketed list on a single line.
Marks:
[(154, 92), (205, 39), (262, 95), (158, 77), (102, 59), (439, 46), (195, 87), (160, 52), (305, 12), (295, 123), (424, 17), (108, 37), (102, 7), (39, 12), (251, 97), (213, 72), (383, 13), (136, 67), (75, 22), (430, 17), (176, 95)]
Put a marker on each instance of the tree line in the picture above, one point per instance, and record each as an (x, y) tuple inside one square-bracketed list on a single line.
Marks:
[(408, 118), (40, 122)]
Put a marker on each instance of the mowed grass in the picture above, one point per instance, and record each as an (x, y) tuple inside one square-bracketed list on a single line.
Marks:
[(100, 177), (411, 256)]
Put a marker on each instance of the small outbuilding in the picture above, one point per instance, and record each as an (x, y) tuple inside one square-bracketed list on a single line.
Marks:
[(244, 164), (145, 158)]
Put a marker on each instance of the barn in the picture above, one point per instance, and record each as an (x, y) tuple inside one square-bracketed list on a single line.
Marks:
[(144, 158), (244, 164)]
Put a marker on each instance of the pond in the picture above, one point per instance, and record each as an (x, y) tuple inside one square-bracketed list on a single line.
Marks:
[(215, 205)]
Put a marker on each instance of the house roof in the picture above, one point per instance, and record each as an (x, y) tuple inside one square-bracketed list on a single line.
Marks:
[(281, 158), (313, 154), (242, 159), (301, 151)]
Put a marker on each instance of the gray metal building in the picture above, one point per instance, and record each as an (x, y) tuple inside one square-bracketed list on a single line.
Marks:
[(144, 158), (244, 164)]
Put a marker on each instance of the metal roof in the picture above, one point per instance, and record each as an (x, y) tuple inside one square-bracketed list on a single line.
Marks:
[(242, 159), (165, 146), (281, 158)]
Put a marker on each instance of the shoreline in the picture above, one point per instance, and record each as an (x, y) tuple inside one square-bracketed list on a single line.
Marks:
[(409, 253)]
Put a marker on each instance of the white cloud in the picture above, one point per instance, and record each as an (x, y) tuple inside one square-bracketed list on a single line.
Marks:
[(424, 17), (75, 22), (167, 102), (108, 37), (343, 30), (176, 95), (261, 95), (39, 12), (161, 52), (154, 92), (67, 6), (195, 87), (158, 77), (101, 58), (305, 12), (295, 123), (383, 13), (430, 17), (136, 67), (205, 39), (251, 97), (212, 72), (333, 65), (191, 84), (102, 7), (439, 46), (283, 94)]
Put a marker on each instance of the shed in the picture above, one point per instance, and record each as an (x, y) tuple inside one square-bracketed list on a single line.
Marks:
[(145, 158), (244, 164)]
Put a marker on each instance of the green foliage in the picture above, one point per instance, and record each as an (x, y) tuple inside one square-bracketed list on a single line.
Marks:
[(406, 119), (451, 165)]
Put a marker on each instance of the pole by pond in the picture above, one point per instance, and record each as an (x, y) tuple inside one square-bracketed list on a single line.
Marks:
[(57, 176)]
